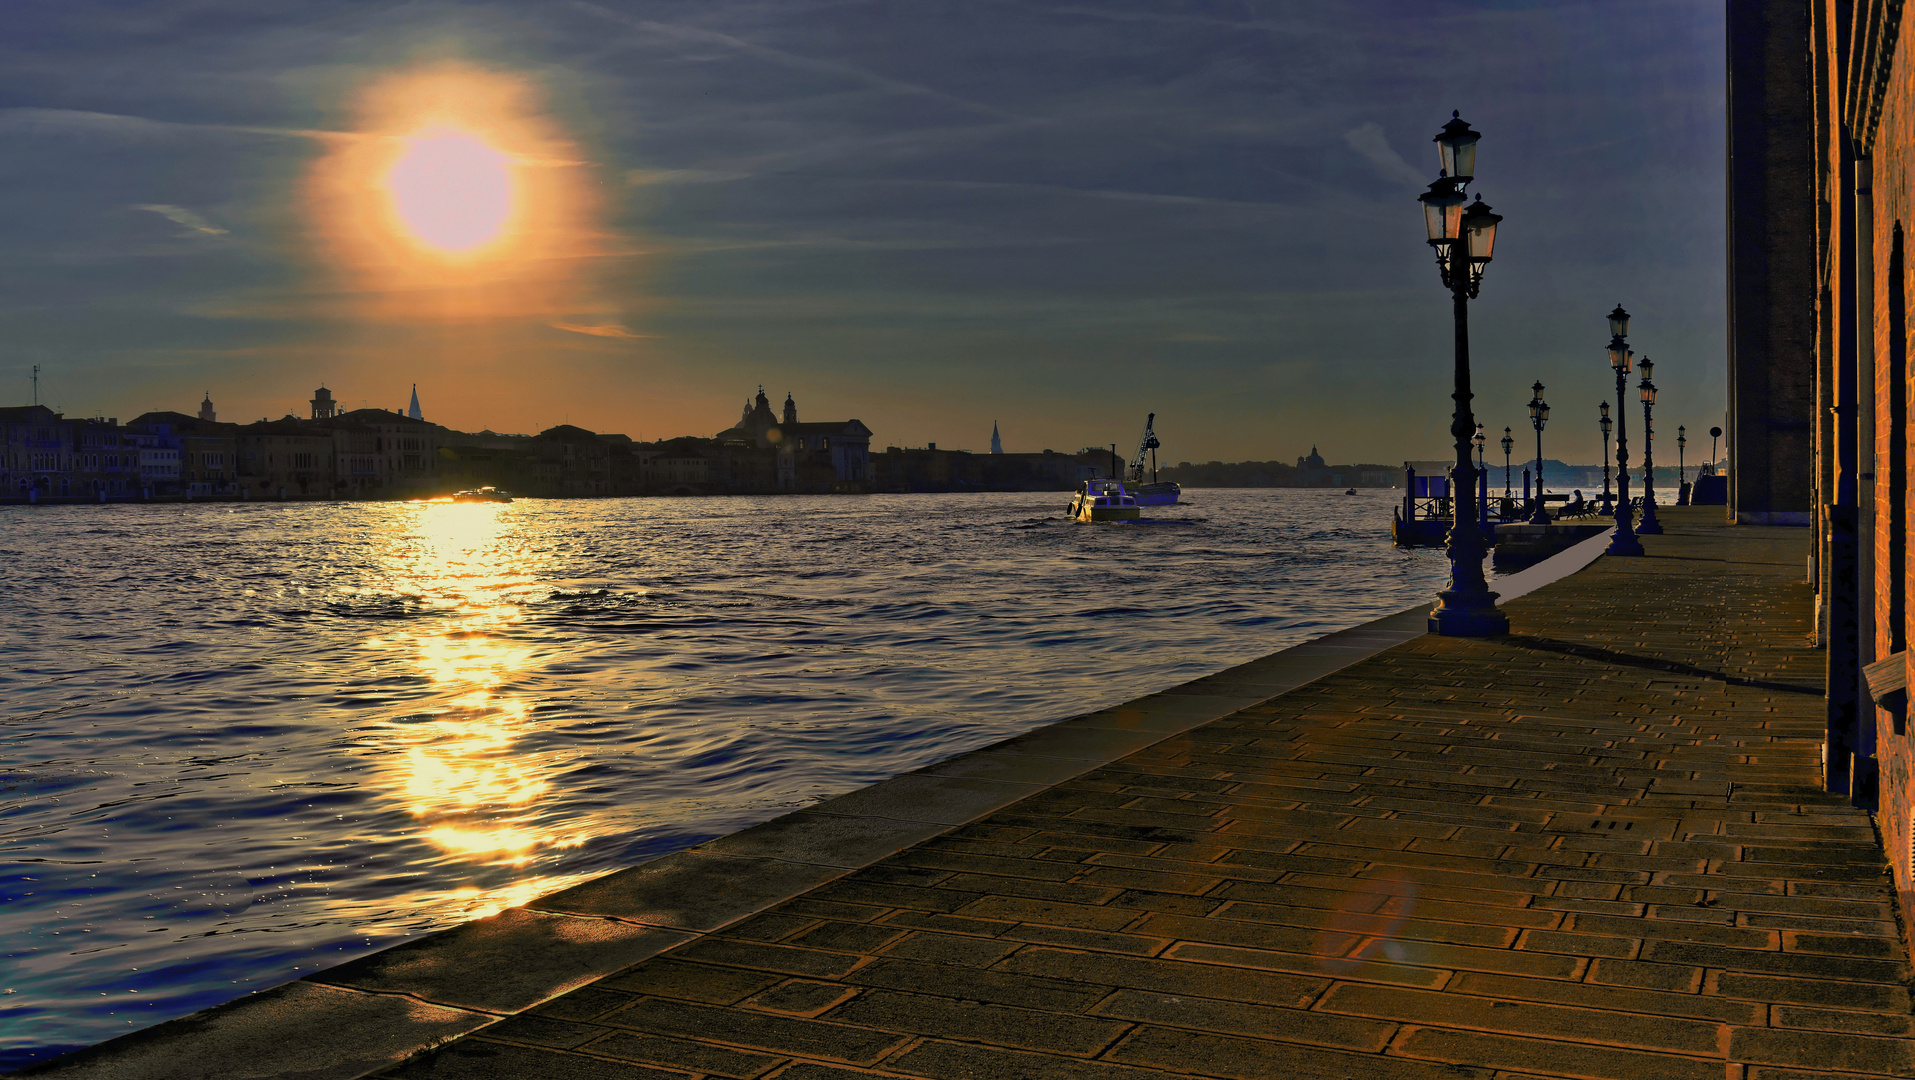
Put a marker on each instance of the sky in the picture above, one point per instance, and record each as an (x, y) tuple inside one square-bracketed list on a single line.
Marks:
[(930, 216)]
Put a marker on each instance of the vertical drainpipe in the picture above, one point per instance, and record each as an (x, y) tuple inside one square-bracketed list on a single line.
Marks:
[(1862, 782), (1844, 648)]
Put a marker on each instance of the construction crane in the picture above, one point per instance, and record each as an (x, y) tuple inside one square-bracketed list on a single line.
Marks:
[(1146, 446)]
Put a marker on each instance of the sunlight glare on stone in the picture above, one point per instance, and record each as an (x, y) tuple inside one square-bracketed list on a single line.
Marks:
[(452, 191)]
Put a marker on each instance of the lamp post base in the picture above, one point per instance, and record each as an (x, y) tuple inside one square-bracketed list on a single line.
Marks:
[(1620, 544), (1467, 615), (1649, 526)]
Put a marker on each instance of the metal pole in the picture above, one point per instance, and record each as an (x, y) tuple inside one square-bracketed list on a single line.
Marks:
[(1541, 515), (1624, 542), (1467, 608), (1648, 525), (1682, 485), (1606, 496)]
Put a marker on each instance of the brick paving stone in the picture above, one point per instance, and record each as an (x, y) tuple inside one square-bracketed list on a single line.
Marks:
[(998, 1025), (810, 1038), (1593, 849), (683, 1054), (478, 1059)]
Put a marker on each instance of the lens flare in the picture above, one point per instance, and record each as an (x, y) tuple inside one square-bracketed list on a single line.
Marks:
[(451, 189)]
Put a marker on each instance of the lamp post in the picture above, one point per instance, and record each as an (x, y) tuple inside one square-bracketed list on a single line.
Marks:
[(1509, 442), (1464, 239), (1538, 415), (1682, 485), (1624, 541), (1648, 525), (1481, 489), (1714, 434), (1605, 424)]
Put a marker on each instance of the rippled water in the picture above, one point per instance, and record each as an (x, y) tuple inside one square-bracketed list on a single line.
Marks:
[(244, 742)]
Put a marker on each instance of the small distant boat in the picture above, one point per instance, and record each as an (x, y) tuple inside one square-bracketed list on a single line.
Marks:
[(1104, 500), (1155, 493), (1352, 491), (1163, 493), (487, 494)]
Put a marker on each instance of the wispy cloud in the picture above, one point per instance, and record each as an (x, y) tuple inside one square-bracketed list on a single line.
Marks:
[(1369, 141), (194, 224), (611, 330)]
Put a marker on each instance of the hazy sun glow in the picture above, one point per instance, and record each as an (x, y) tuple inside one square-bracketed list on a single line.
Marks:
[(451, 189), (453, 195)]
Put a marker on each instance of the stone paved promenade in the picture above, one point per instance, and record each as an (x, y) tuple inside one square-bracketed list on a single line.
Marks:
[(1593, 849)]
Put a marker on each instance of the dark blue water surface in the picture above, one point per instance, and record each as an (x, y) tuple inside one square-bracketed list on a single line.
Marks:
[(239, 743)]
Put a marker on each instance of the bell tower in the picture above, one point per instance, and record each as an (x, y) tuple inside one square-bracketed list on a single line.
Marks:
[(324, 408)]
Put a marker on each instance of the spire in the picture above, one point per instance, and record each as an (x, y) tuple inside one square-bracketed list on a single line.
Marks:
[(791, 409), (997, 444), (413, 409), (206, 408)]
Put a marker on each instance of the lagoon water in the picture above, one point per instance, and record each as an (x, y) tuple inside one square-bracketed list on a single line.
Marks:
[(240, 743)]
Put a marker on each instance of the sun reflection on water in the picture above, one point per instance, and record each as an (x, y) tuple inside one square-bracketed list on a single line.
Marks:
[(463, 772)]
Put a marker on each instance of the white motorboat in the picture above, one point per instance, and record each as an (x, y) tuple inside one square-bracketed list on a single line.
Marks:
[(1104, 500), (483, 495)]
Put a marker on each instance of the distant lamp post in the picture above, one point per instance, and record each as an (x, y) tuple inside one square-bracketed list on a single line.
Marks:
[(1538, 415), (1482, 482), (1682, 485), (1464, 239), (1621, 356), (1605, 424), (1648, 525), (1714, 434), (1509, 443)]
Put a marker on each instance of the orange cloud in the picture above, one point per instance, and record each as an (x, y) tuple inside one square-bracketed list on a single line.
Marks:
[(611, 330)]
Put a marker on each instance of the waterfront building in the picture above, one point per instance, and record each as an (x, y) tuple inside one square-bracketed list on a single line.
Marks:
[(33, 448), (105, 459), (570, 460), (829, 456), (206, 451), (380, 454), (286, 458), (159, 460)]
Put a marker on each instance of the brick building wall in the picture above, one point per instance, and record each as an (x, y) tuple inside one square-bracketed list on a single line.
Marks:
[(1864, 135), (1879, 112)]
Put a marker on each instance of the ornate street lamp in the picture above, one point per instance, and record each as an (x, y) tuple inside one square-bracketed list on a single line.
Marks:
[(1538, 415), (1682, 486), (1464, 239), (1605, 424), (1714, 434), (1621, 356), (1509, 442), (1648, 525)]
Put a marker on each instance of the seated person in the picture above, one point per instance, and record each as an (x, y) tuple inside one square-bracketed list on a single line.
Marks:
[(1575, 506)]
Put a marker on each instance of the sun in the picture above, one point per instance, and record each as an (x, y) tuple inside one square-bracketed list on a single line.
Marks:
[(452, 190)]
